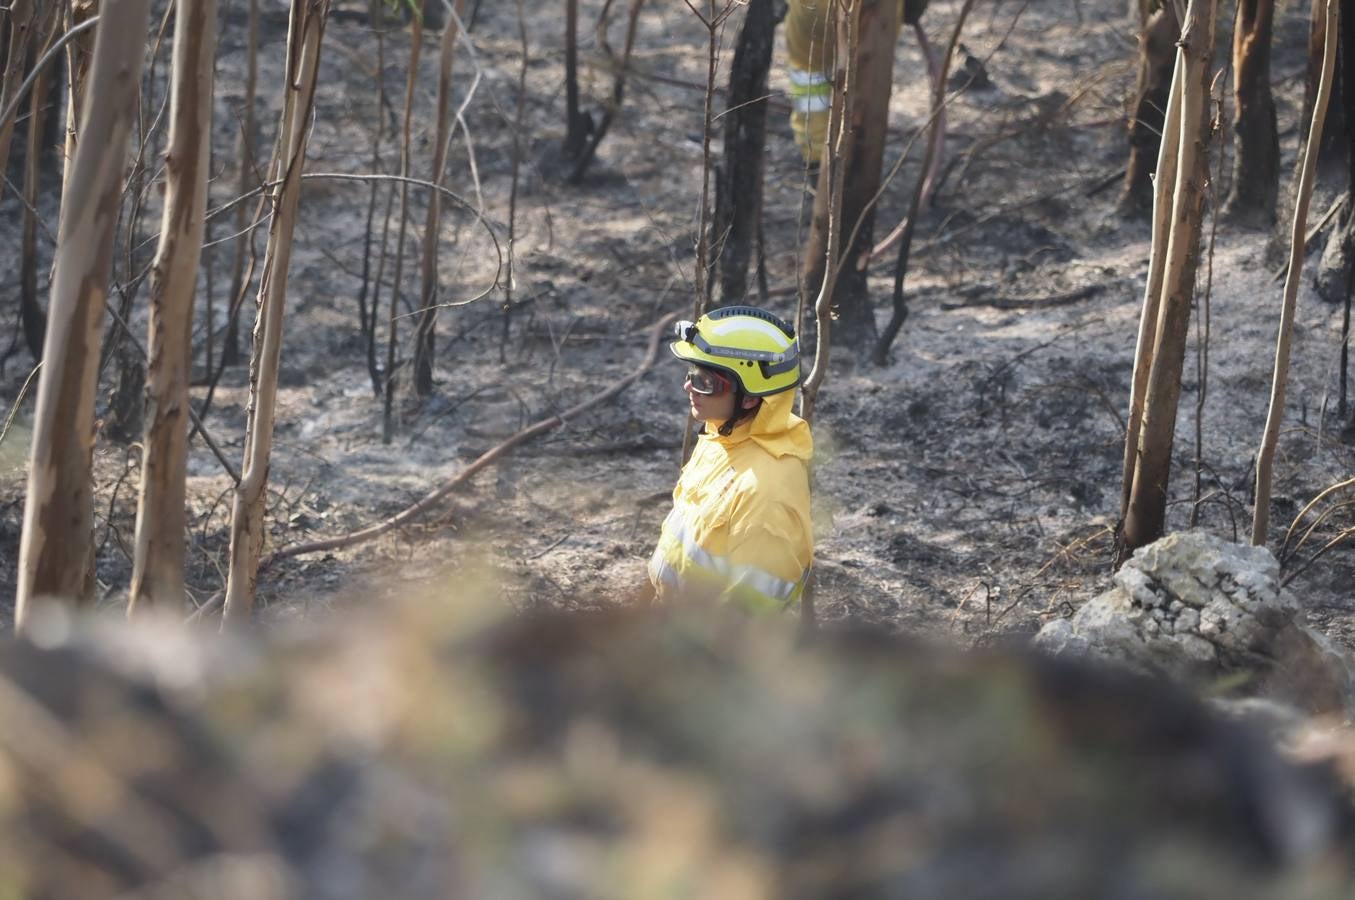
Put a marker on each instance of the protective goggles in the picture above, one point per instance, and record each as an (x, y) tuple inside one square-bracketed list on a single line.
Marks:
[(707, 382)]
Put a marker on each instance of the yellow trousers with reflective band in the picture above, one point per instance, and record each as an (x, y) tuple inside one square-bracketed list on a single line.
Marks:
[(809, 44)]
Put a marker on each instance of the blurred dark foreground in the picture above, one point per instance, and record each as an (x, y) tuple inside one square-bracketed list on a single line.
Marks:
[(439, 751)]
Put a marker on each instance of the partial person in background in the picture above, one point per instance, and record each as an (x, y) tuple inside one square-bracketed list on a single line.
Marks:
[(810, 47), (740, 527)]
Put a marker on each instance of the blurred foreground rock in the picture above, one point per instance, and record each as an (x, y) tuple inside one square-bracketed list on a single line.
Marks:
[(437, 751), (1195, 607)]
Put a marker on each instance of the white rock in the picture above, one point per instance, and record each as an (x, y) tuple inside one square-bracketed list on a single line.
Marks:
[(1194, 605)]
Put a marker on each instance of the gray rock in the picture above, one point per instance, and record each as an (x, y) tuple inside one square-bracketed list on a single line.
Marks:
[(1194, 606)]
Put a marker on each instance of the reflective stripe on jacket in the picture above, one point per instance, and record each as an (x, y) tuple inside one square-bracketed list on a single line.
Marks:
[(740, 526)]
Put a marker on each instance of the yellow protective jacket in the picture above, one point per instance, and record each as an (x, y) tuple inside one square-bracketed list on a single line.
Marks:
[(809, 46), (740, 526)]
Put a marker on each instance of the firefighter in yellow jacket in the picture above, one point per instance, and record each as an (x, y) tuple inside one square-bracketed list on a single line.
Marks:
[(809, 45), (740, 526)]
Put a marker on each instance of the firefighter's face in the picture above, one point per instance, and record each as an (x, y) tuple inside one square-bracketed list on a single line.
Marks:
[(715, 407), (710, 407)]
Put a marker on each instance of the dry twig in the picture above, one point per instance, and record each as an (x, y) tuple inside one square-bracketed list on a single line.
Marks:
[(485, 460)]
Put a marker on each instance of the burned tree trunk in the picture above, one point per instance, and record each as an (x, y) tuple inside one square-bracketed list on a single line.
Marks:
[(1162, 341), (32, 319), (21, 26), (1265, 454), (921, 187), (738, 186), (158, 562), (305, 30), (578, 125), (834, 159), (1256, 163), (868, 75), (393, 316), (79, 55), (428, 310), (1337, 266), (1334, 145), (245, 181), (56, 550), (599, 130), (1157, 59)]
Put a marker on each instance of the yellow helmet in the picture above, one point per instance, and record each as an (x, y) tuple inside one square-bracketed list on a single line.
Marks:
[(755, 347)]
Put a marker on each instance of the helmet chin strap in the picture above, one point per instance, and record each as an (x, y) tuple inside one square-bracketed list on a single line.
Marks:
[(740, 413)]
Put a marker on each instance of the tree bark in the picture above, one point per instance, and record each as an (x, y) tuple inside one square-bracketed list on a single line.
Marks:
[(79, 54), (1334, 270), (428, 313), (870, 74), (1256, 162), (245, 180), (846, 39), (577, 124), (1156, 62), (613, 107), (304, 32), (32, 319), (1165, 185), (56, 549), (21, 27), (158, 560), (393, 316), (1334, 144), (1144, 515), (1265, 455), (921, 188), (738, 185)]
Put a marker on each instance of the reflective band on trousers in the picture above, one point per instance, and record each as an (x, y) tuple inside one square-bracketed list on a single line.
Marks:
[(810, 92)]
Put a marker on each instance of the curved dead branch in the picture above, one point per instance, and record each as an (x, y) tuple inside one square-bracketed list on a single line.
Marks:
[(1289, 534), (42, 62), (486, 459)]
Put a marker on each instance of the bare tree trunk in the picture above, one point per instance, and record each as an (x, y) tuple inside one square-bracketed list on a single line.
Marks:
[(21, 28), (1165, 185), (245, 181), (510, 280), (1337, 265), (158, 561), (56, 550), (393, 318), (714, 21), (1256, 162), (31, 317), (921, 188), (1334, 144), (1265, 456), (305, 30), (841, 112), (577, 124), (738, 184), (366, 318), (870, 73), (1343, 373), (599, 132), (1157, 59), (79, 54), (1144, 514), (428, 313)]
